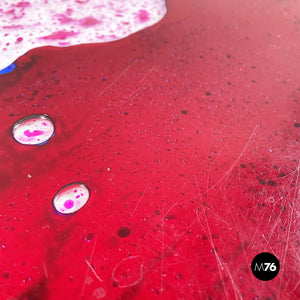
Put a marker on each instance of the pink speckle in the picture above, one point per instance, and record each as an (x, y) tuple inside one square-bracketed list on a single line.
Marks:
[(64, 43), (10, 11), (77, 196), (69, 204), (143, 15), (44, 123), (82, 1), (63, 19), (12, 27), (88, 21), (69, 11), (18, 10), (29, 133), (23, 4), (59, 35), (19, 39), (75, 191)]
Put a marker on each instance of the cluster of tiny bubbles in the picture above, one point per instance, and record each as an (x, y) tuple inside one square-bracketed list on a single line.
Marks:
[(38, 129), (33, 130), (8, 69), (70, 198)]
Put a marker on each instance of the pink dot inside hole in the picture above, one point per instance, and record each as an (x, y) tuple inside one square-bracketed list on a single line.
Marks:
[(29, 133), (69, 204)]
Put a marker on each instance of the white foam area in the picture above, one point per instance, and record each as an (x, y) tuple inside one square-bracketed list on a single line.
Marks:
[(35, 23)]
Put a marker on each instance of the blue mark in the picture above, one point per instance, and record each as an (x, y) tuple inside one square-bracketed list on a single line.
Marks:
[(8, 69), (43, 143)]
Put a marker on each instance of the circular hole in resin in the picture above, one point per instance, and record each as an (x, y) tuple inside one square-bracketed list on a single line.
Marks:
[(33, 130), (70, 198)]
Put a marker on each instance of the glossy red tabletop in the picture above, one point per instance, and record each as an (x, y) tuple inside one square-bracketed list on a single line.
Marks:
[(187, 136)]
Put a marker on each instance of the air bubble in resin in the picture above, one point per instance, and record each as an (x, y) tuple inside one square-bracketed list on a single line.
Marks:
[(33, 130), (70, 198)]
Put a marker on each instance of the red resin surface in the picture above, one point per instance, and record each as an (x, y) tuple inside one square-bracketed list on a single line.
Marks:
[(187, 135)]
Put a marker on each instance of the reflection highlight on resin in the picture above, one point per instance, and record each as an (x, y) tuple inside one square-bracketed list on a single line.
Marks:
[(70, 198), (33, 130)]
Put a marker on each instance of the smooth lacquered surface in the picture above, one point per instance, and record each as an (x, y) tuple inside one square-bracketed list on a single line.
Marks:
[(186, 134)]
